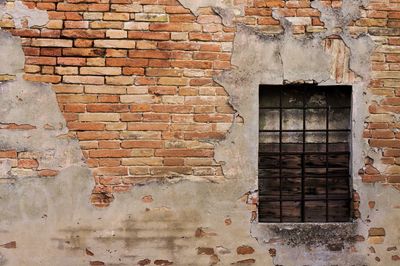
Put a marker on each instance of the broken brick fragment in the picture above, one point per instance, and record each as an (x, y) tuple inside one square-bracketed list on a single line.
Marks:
[(244, 250), (10, 245), (205, 251)]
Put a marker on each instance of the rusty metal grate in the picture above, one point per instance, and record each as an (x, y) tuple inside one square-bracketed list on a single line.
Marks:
[(304, 153)]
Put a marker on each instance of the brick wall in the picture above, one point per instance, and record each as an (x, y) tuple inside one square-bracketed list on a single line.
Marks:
[(134, 81), (381, 130)]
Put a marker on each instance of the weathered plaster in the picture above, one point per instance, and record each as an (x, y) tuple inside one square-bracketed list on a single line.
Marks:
[(19, 13), (276, 66), (227, 9), (225, 4), (8, 51), (280, 59)]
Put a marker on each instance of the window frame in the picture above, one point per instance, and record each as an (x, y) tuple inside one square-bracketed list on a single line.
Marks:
[(349, 198)]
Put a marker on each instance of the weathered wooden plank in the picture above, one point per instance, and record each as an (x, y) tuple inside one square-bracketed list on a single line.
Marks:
[(271, 188), (315, 160), (338, 160), (291, 211), (315, 188), (285, 161), (338, 211), (315, 211), (338, 187), (269, 212)]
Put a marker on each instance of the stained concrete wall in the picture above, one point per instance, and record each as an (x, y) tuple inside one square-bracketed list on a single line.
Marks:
[(50, 221)]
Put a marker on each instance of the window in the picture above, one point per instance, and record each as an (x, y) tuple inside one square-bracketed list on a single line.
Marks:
[(304, 153)]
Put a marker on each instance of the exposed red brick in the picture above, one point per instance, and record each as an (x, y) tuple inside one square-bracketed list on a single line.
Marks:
[(205, 251), (244, 250), (8, 154), (48, 172), (27, 163)]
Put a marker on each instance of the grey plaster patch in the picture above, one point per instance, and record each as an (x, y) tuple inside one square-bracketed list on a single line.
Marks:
[(304, 60), (65, 223), (5, 168), (11, 52), (227, 15), (32, 103), (37, 100), (20, 12), (339, 17), (360, 47), (323, 243), (227, 9)]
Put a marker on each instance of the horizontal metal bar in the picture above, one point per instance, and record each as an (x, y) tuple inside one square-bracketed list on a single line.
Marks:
[(305, 108), (309, 167), (306, 153), (315, 177), (306, 131), (305, 200)]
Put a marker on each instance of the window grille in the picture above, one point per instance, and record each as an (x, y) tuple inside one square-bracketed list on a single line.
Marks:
[(304, 153)]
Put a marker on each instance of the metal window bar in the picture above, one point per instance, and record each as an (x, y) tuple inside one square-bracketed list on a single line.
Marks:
[(280, 157), (327, 158), (303, 163), (266, 211)]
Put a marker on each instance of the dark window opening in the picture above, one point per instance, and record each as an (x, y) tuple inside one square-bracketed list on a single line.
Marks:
[(304, 153)]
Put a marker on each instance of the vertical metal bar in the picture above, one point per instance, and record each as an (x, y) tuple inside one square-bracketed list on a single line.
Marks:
[(326, 154), (350, 205), (258, 156), (302, 203), (280, 155)]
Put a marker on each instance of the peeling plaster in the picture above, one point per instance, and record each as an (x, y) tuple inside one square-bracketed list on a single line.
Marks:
[(195, 5), (29, 103), (227, 9), (15, 58), (340, 17), (20, 12)]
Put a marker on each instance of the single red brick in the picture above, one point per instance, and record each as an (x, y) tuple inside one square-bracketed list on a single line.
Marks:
[(244, 250), (71, 61), (87, 126), (8, 154), (109, 153), (48, 172), (27, 163), (184, 153), (141, 144)]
